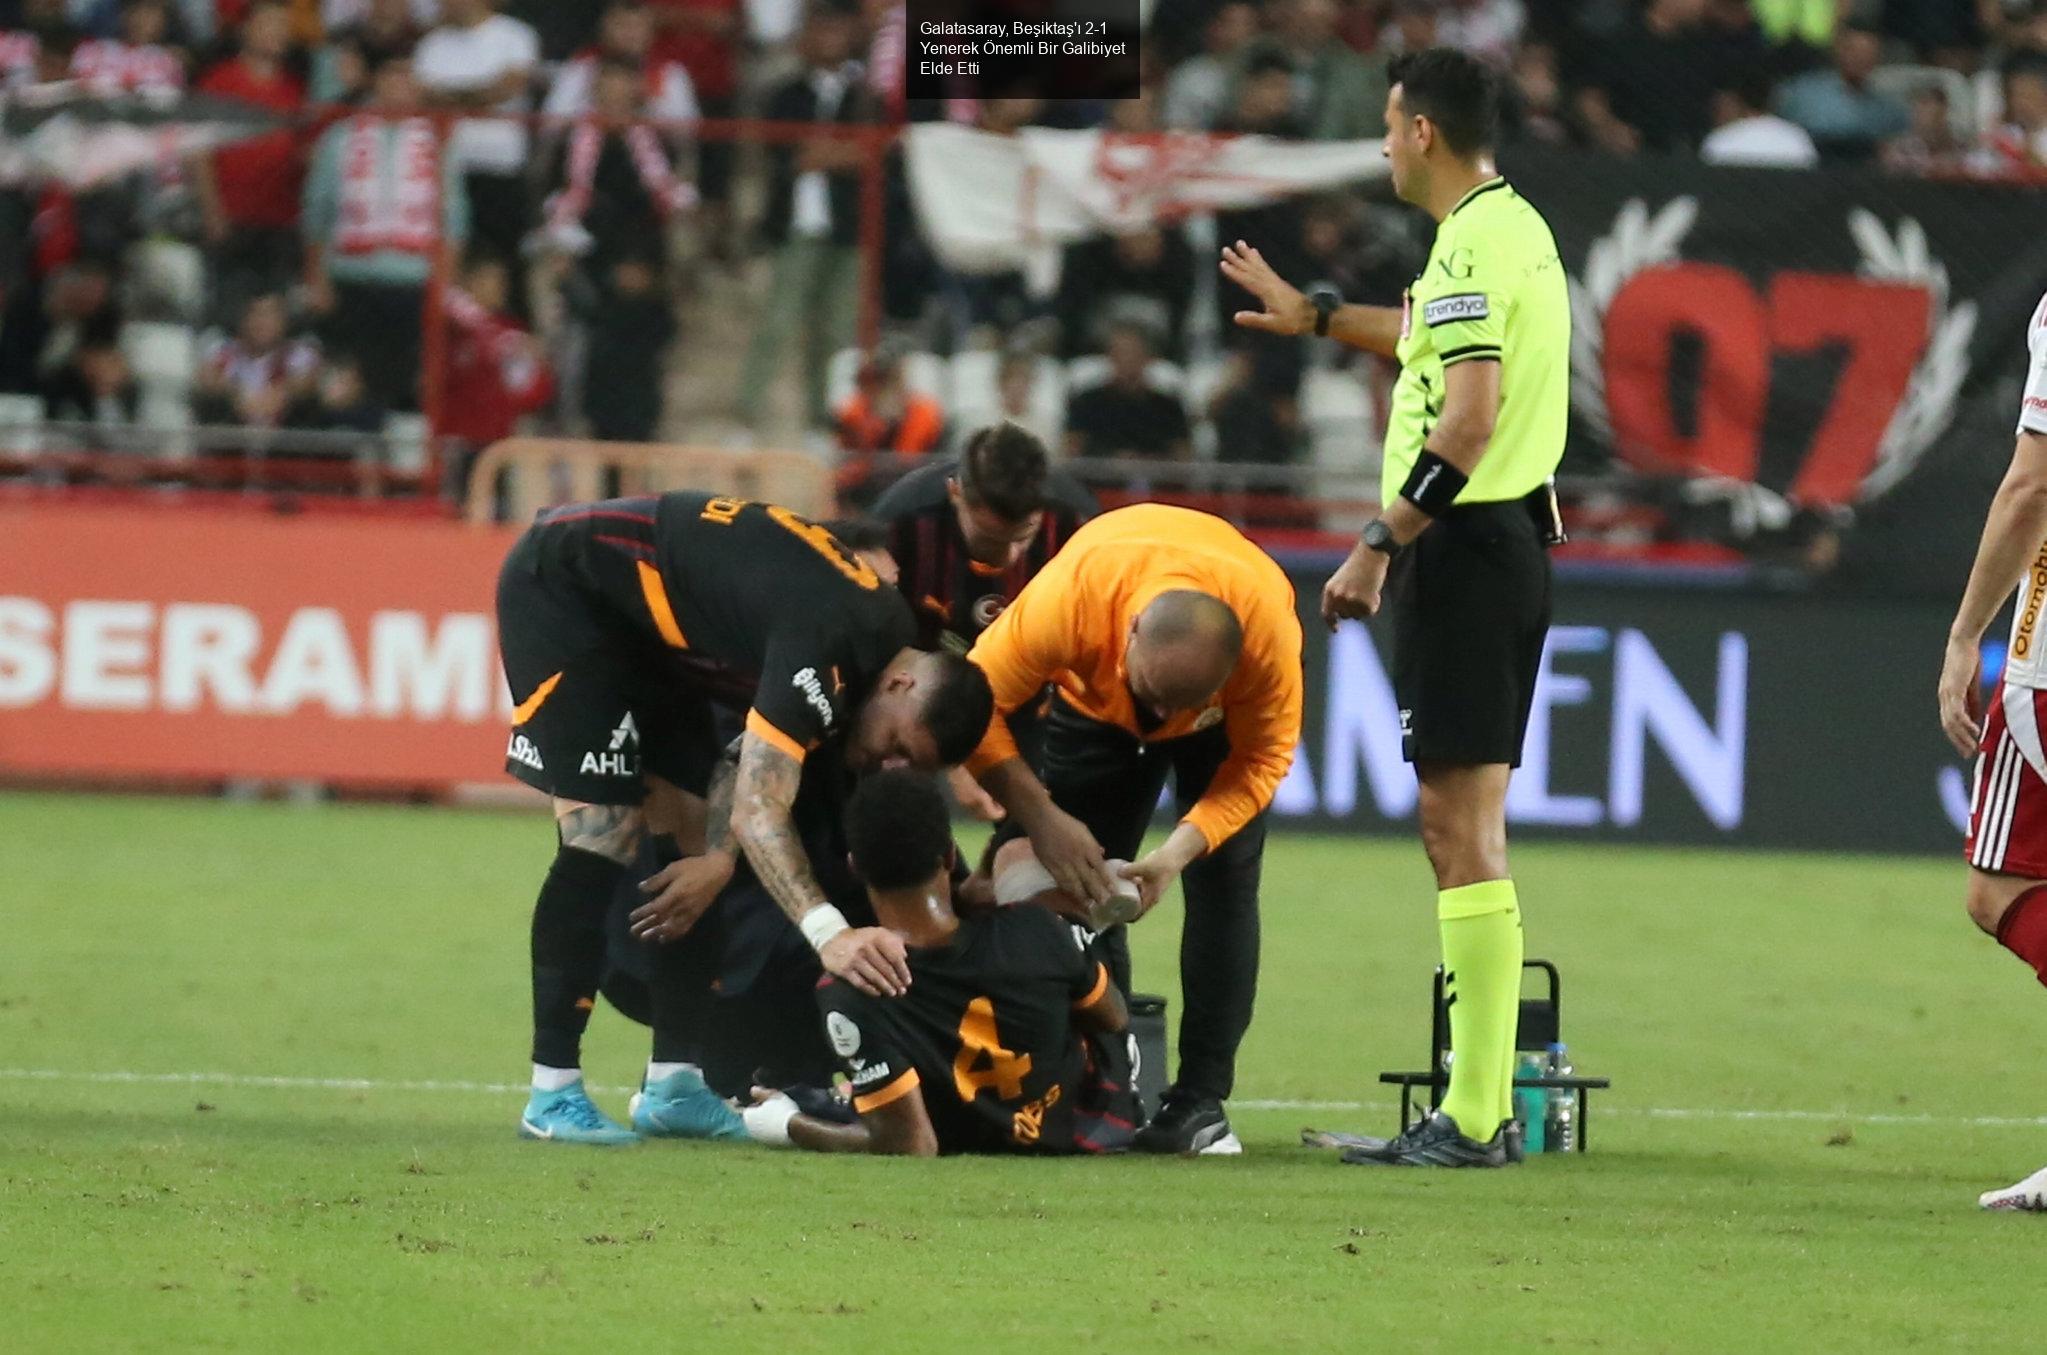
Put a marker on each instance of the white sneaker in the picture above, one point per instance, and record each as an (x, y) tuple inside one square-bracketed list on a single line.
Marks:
[(2028, 1196), (1229, 1145)]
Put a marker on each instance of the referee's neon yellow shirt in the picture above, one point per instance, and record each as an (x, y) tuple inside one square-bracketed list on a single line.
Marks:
[(1493, 288)]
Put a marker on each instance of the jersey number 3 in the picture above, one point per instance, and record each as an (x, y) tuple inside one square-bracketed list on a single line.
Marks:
[(817, 538), (982, 1063)]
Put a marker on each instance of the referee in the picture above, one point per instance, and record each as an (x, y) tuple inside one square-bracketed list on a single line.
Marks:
[(1459, 549)]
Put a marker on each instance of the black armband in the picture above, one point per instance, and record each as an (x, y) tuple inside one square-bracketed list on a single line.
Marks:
[(1434, 484)]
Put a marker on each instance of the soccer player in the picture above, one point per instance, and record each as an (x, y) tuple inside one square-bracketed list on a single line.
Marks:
[(968, 534), (993, 1048), (2007, 842), (1459, 550), (1172, 645), (620, 623)]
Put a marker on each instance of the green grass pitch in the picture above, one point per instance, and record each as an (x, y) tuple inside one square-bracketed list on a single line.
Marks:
[(1818, 1064)]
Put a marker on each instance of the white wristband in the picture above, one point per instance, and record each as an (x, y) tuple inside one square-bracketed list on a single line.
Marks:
[(768, 1122), (821, 924)]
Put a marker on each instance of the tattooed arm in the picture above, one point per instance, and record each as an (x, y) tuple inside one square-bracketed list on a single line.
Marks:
[(872, 959), (609, 831)]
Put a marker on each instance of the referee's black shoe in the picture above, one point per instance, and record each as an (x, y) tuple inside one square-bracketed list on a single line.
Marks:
[(1189, 1125), (1435, 1142)]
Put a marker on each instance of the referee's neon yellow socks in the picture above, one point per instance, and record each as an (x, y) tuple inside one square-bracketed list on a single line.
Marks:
[(1481, 926)]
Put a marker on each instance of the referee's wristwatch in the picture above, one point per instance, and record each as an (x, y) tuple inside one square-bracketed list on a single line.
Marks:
[(1379, 537), (1327, 301)]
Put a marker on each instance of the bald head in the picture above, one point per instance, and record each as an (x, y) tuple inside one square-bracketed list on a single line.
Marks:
[(1183, 648)]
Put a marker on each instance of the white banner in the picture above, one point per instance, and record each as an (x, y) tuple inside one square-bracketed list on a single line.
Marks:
[(988, 203)]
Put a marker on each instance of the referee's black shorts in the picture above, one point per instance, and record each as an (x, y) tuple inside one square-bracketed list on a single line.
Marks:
[(1469, 605)]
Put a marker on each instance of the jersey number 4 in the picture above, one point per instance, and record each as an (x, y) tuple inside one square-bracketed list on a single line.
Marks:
[(982, 1063), (817, 538)]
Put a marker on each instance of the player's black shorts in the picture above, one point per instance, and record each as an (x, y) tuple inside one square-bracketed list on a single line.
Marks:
[(596, 705), (1469, 605)]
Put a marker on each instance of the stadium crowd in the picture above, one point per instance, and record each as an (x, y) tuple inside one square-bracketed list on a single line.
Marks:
[(280, 282)]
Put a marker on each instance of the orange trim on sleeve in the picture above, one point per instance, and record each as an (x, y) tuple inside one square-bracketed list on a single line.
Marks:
[(1094, 994), (530, 707), (758, 726), (889, 1093), (656, 593)]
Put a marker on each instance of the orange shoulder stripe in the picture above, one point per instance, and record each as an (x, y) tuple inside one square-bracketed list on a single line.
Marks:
[(757, 725), (656, 593)]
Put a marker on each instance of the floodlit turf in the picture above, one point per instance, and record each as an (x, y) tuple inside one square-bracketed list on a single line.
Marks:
[(154, 936)]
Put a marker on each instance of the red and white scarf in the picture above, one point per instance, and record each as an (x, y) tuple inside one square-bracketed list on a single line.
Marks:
[(650, 157), (390, 172)]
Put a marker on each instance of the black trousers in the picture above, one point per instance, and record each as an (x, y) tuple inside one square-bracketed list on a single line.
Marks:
[(1111, 781)]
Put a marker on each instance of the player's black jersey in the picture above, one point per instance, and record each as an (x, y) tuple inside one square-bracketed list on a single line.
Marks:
[(757, 605), (955, 597), (986, 1032)]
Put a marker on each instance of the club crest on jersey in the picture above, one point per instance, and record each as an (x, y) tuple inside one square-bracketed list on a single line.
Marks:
[(521, 750), (1446, 309), (986, 609), (806, 681), (844, 1035)]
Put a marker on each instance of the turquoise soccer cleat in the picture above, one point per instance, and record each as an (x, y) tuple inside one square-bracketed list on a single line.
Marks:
[(680, 1106), (570, 1116)]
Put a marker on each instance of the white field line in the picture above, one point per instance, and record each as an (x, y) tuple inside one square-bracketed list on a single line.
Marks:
[(365, 1084)]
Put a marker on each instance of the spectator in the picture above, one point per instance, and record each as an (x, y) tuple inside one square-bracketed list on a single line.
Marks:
[(1413, 27), (482, 61), (1650, 86), (1124, 415), (1144, 277), (47, 321), (94, 386), (497, 373), (617, 188), (143, 60), (1747, 133), (888, 49), (1253, 423), (626, 35), (1536, 102), (813, 220), (1488, 29), (371, 31), (630, 325), (2019, 145), (1337, 95), (1941, 32), (1265, 99), (338, 16), (1931, 146), (249, 192), (1845, 116), (1198, 90), (372, 233), (883, 415), (340, 403), (1797, 24), (704, 36), (255, 376), (1016, 383)]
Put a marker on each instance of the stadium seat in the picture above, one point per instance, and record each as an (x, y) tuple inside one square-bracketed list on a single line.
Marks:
[(1336, 411), (163, 356)]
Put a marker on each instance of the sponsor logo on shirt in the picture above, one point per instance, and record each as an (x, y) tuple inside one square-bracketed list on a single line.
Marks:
[(806, 681), (521, 750), (844, 1035), (2029, 616), (618, 759), (871, 1074), (1448, 309)]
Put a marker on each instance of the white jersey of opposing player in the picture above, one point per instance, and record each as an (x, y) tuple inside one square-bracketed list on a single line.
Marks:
[(2025, 664)]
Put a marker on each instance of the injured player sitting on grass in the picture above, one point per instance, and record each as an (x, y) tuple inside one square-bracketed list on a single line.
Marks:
[(1010, 1037)]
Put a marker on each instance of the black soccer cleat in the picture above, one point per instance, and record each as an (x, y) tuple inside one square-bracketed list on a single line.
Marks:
[(1435, 1142), (1193, 1126)]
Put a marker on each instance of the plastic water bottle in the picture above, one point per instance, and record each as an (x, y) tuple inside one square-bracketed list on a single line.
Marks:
[(1531, 1104), (1560, 1132)]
